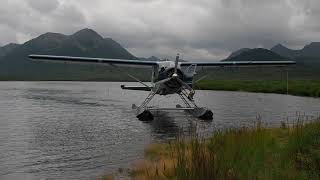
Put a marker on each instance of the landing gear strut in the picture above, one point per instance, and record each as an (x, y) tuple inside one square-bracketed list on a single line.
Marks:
[(198, 112), (144, 113)]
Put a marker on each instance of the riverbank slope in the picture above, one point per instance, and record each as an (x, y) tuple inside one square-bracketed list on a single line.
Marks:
[(259, 153)]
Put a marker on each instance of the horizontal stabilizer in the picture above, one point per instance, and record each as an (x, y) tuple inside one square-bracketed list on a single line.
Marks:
[(171, 109), (138, 88)]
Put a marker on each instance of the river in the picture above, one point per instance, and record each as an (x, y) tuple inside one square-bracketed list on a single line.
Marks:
[(81, 130)]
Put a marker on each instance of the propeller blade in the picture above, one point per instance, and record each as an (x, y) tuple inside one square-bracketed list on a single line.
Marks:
[(176, 66), (163, 81)]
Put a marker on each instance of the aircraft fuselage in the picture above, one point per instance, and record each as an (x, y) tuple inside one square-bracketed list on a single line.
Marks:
[(171, 85)]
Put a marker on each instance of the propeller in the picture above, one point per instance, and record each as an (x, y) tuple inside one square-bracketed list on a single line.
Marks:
[(176, 66), (163, 81)]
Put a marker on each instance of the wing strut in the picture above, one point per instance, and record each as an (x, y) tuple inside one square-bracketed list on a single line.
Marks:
[(131, 76)]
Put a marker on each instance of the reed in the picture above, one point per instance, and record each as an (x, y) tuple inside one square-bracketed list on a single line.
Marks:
[(290, 152)]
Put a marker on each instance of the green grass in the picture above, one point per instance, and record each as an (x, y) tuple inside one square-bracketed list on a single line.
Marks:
[(295, 87), (259, 153)]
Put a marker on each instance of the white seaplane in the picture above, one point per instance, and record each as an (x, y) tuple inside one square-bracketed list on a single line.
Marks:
[(168, 77)]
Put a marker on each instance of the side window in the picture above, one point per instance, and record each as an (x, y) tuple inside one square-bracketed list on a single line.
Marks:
[(162, 73)]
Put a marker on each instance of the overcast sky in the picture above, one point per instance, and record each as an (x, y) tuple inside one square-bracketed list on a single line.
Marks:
[(198, 29)]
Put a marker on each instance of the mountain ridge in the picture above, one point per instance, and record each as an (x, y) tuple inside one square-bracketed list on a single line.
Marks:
[(238, 52), (4, 50), (311, 50), (85, 43), (14, 63), (256, 54)]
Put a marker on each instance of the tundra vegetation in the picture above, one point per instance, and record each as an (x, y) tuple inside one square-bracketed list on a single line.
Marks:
[(288, 152), (309, 88)]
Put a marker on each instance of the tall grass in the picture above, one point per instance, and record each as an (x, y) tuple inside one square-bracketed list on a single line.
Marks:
[(295, 87), (256, 153)]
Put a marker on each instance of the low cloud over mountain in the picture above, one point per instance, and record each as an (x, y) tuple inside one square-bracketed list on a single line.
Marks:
[(199, 30)]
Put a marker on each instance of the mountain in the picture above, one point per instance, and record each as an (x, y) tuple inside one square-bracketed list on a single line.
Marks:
[(305, 68), (257, 54), (7, 49), (283, 51), (87, 43), (152, 58), (278, 52), (238, 52), (311, 50)]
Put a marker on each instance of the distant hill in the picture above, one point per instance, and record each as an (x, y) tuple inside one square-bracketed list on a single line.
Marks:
[(311, 50), (307, 67), (307, 53), (152, 58), (257, 54), (283, 51), (7, 49), (85, 43), (14, 64), (238, 52)]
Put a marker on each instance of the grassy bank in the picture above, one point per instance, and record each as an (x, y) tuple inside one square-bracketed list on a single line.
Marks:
[(259, 153), (295, 87)]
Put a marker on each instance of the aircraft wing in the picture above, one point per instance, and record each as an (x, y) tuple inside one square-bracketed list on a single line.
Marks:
[(239, 63), (102, 61)]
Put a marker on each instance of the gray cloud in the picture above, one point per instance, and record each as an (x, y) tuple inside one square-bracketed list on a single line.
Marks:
[(199, 29), (43, 6)]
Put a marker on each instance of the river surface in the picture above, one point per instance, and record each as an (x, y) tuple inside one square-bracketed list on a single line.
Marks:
[(82, 130)]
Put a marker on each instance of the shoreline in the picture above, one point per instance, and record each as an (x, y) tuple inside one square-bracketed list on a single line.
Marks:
[(260, 153), (304, 88)]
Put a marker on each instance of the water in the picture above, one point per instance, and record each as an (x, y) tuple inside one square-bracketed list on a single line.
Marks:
[(80, 130)]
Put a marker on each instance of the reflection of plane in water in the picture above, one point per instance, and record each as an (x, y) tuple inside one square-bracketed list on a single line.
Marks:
[(168, 125), (164, 125), (168, 77)]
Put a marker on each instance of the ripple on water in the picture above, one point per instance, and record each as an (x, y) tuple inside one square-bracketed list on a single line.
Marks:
[(76, 130)]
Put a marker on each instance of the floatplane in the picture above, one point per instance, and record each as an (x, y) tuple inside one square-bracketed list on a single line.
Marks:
[(168, 77)]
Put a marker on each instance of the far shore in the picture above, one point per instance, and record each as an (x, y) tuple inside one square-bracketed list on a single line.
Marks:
[(308, 88)]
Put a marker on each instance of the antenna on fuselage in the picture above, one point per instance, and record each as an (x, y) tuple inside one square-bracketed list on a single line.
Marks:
[(176, 66)]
